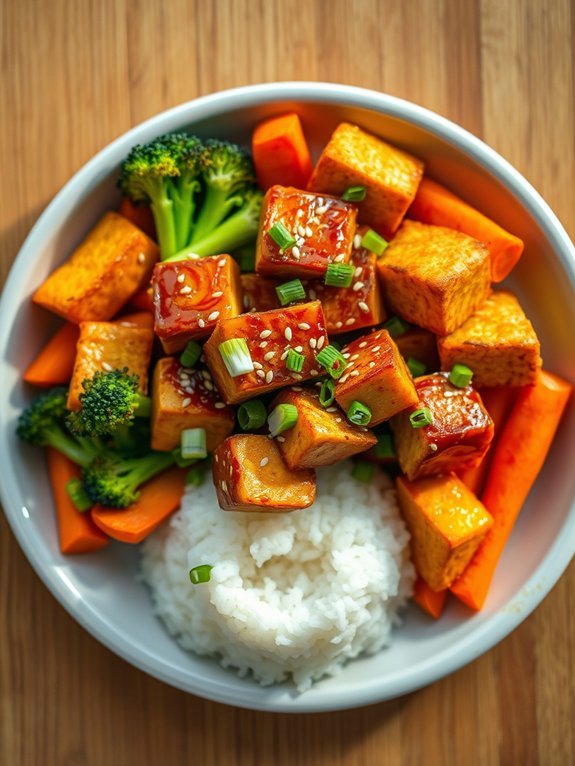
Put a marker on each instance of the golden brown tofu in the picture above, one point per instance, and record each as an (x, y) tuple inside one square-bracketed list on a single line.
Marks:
[(250, 475), (447, 524), (420, 344), (497, 342), (390, 176), (458, 437), (376, 376), (259, 293), (184, 398), (109, 346), (321, 436), (113, 263), (434, 277)]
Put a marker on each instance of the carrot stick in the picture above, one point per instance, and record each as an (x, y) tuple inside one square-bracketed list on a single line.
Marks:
[(137, 319), (436, 205), (280, 152), (158, 499), (431, 601), (77, 531), (517, 460), (143, 300), (54, 364), (140, 215)]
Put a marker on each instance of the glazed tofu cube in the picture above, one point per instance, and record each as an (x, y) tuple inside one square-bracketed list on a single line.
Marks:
[(390, 176), (377, 376), (323, 228), (434, 277), (259, 293), (497, 342), (458, 437), (109, 346), (250, 475), (106, 269), (269, 336), (447, 524), (191, 296), (321, 436), (184, 398), (420, 344)]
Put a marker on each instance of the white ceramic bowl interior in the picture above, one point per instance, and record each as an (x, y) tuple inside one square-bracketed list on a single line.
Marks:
[(102, 591)]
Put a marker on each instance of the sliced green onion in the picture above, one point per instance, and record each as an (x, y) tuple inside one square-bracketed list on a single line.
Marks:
[(252, 415), (359, 413), (363, 471), (181, 461), (332, 360), (294, 361), (281, 236), (236, 356), (395, 326), (190, 354), (416, 367), (281, 418), (354, 194), (460, 376), (143, 407), (290, 291), (78, 495), (373, 242), (421, 418), (200, 574), (193, 443), (327, 393), (339, 274), (384, 447), (196, 475)]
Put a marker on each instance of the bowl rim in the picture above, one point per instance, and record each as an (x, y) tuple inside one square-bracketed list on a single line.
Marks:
[(457, 654)]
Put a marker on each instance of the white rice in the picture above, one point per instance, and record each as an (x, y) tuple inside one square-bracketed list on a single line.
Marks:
[(295, 594)]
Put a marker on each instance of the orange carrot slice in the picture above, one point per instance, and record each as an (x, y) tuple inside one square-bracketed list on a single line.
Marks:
[(54, 364), (140, 215), (280, 152), (431, 601)]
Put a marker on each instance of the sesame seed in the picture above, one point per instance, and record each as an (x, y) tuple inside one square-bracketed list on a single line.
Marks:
[(331, 409), (375, 349), (357, 272), (350, 321), (296, 388), (363, 344), (219, 405), (263, 344), (217, 294), (186, 290), (222, 263), (346, 355), (433, 447), (296, 375), (281, 439), (338, 420), (357, 241), (257, 365), (343, 378), (357, 286), (288, 333), (299, 213), (304, 326), (213, 316), (265, 334), (299, 349), (301, 230), (354, 357), (269, 355), (321, 209), (269, 376), (363, 306), (313, 373), (209, 385), (206, 374), (181, 278), (260, 373), (264, 461), (106, 366), (295, 251), (339, 324), (186, 402), (141, 257), (372, 364), (223, 485), (201, 323), (354, 373), (312, 342), (348, 365), (320, 342), (308, 231), (284, 355), (339, 258)]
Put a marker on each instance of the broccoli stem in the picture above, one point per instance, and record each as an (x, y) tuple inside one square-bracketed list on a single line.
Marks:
[(143, 406), (79, 451), (184, 207), (237, 230), (217, 205), (142, 469), (162, 210)]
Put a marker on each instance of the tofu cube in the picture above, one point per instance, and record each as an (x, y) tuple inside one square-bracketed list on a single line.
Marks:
[(109, 346), (497, 342), (447, 524), (259, 293), (321, 436), (191, 296), (420, 344), (390, 176), (458, 437), (113, 263), (184, 398), (434, 277), (250, 475), (322, 226), (269, 336), (377, 376)]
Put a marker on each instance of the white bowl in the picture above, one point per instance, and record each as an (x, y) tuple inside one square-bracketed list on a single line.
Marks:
[(102, 591)]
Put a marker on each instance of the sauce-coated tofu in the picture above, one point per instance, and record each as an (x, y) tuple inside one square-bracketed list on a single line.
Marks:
[(321, 436), (458, 437), (434, 277), (269, 336), (259, 293), (109, 346), (377, 376), (447, 524), (184, 398), (104, 271), (322, 226), (420, 344), (250, 475), (390, 176), (191, 296), (498, 343)]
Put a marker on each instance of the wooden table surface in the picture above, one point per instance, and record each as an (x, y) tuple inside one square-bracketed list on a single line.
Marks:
[(74, 75)]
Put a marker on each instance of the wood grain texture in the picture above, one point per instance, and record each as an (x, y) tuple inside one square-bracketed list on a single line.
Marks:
[(75, 74)]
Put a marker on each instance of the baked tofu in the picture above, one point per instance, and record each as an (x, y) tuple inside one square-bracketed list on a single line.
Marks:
[(323, 229), (259, 293), (498, 343), (390, 176), (109, 346), (191, 296), (458, 437), (377, 376), (269, 336), (434, 277), (250, 475), (321, 436), (447, 524), (113, 263), (184, 398), (420, 344)]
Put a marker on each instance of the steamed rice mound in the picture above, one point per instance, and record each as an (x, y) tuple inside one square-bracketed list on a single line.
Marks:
[(293, 594)]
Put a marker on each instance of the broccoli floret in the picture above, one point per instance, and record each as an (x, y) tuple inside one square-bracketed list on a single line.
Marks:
[(113, 480), (42, 424)]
